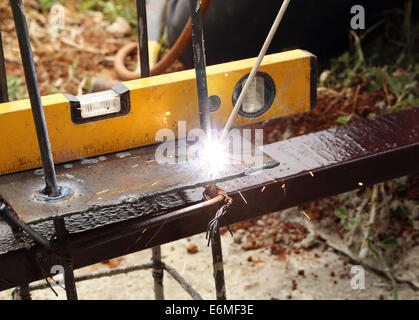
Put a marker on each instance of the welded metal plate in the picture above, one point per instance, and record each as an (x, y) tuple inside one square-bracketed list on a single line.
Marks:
[(368, 151), (111, 180)]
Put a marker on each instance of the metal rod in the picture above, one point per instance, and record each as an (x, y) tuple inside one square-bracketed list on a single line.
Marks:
[(98, 274), (255, 68), (186, 286), (66, 258), (200, 64), (36, 236), (143, 38), (4, 94), (157, 273), (51, 188), (124, 270), (132, 227), (218, 266)]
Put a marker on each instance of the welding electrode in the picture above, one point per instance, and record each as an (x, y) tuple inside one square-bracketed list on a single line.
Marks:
[(255, 68)]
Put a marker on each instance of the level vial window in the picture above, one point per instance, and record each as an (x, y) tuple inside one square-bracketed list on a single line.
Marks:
[(99, 104)]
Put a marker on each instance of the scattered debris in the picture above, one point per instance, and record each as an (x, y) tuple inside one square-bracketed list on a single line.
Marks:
[(192, 248)]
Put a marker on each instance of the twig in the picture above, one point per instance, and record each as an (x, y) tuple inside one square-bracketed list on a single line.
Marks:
[(364, 246), (385, 268)]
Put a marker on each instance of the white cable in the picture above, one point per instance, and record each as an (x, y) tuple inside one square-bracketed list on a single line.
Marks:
[(249, 80)]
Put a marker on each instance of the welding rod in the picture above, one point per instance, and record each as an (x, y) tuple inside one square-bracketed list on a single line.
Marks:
[(255, 68), (4, 95), (51, 188)]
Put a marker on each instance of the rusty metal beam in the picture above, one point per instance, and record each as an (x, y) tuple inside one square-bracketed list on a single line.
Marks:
[(368, 151)]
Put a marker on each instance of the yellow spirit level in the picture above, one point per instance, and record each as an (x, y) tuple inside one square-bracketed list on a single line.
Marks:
[(131, 114)]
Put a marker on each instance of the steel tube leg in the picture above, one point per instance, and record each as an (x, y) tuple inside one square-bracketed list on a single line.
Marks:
[(158, 273), (218, 266), (66, 258), (22, 293), (51, 188), (4, 94)]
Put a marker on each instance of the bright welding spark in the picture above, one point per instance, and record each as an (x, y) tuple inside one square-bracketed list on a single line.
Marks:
[(360, 184), (102, 191), (271, 178), (311, 173), (308, 217), (243, 197), (285, 190), (153, 184), (168, 113), (263, 189), (213, 156)]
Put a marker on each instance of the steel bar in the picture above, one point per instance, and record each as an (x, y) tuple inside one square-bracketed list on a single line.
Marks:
[(200, 64), (51, 188), (4, 94), (145, 72), (143, 38), (134, 228), (36, 236), (67, 259), (157, 273), (123, 270), (98, 274), (22, 293), (218, 266), (202, 88), (186, 286), (339, 158)]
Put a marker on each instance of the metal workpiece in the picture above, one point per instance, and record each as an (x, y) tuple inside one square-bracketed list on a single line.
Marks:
[(51, 189), (14, 220), (200, 64), (312, 166), (4, 93)]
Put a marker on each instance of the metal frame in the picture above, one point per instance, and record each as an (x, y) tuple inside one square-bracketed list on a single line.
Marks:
[(59, 242)]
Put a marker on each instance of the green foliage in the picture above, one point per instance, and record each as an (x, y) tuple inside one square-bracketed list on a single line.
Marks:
[(386, 62), (16, 88), (400, 211), (112, 9), (341, 213), (389, 244), (348, 224), (344, 119), (46, 4)]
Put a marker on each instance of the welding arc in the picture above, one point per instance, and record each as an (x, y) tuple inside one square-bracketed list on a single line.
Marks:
[(174, 53), (255, 68)]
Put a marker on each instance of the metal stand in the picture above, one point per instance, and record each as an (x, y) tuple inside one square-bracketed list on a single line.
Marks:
[(59, 243)]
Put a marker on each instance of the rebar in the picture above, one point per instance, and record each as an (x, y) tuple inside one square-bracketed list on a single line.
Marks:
[(66, 258), (157, 273), (200, 64), (143, 38), (51, 188), (4, 94)]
